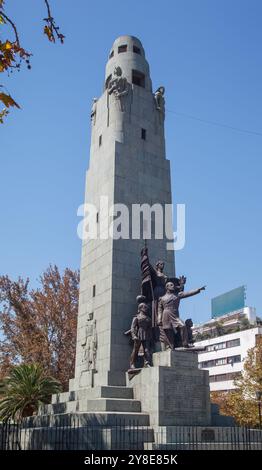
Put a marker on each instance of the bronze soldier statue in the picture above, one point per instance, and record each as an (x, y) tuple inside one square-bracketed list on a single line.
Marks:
[(153, 282), (168, 314), (141, 333), (189, 325), (153, 287)]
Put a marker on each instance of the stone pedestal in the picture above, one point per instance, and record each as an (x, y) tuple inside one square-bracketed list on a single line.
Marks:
[(166, 406), (174, 392)]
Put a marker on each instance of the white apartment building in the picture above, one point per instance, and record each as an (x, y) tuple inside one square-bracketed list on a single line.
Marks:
[(225, 354)]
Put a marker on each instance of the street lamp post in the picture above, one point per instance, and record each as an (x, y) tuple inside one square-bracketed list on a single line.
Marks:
[(259, 398)]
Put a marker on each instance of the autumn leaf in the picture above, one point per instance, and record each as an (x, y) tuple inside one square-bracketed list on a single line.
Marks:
[(6, 55), (2, 115), (8, 45), (49, 33), (8, 100)]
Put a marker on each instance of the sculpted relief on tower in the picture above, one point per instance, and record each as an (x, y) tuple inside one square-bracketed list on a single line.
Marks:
[(93, 111), (119, 88), (89, 344), (160, 100)]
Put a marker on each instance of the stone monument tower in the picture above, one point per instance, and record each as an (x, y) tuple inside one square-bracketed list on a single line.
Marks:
[(127, 166)]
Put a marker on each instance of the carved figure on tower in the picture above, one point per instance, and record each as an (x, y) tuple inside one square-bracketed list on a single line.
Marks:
[(160, 100), (89, 344), (118, 86)]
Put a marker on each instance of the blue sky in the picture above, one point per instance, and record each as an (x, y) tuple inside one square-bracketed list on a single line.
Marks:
[(207, 54)]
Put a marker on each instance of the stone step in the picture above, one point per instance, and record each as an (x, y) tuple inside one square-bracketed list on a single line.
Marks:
[(86, 437), (99, 404), (111, 392), (110, 404), (92, 393), (107, 418), (62, 397)]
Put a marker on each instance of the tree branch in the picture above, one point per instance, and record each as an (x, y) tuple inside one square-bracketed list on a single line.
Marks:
[(13, 26), (51, 26), (48, 9)]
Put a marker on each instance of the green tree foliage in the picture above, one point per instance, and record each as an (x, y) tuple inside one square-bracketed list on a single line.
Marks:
[(26, 387)]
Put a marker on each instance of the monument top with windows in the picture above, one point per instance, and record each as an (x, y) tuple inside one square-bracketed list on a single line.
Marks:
[(128, 53)]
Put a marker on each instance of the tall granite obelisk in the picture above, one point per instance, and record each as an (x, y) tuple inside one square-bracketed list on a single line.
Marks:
[(127, 166), (127, 170)]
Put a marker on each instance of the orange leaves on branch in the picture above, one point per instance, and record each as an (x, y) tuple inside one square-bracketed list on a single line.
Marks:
[(12, 55), (8, 100), (48, 32), (51, 29), (51, 33)]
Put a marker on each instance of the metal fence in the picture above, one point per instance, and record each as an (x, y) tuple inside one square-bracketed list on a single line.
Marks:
[(73, 435)]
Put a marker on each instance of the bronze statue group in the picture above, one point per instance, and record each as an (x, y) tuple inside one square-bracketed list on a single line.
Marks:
[(157, 321)]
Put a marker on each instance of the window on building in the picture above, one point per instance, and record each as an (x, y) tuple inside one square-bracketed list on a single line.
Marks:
[(138, 78), (233, 359), (94, 290), (143, 134), (137, 50), (111, 54), (224, 377), (227, 344), (207, 364), (100, 140), (108, 80), (220, 362), (232, 343), (122, 48)]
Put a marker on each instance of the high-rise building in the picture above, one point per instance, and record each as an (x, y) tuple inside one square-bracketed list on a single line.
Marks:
[(227, 339)]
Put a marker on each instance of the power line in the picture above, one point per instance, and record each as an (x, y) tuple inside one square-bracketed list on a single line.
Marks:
[(214, 123)]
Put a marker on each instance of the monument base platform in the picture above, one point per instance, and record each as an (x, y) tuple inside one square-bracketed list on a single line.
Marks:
[(174, 392), (156, 404)]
